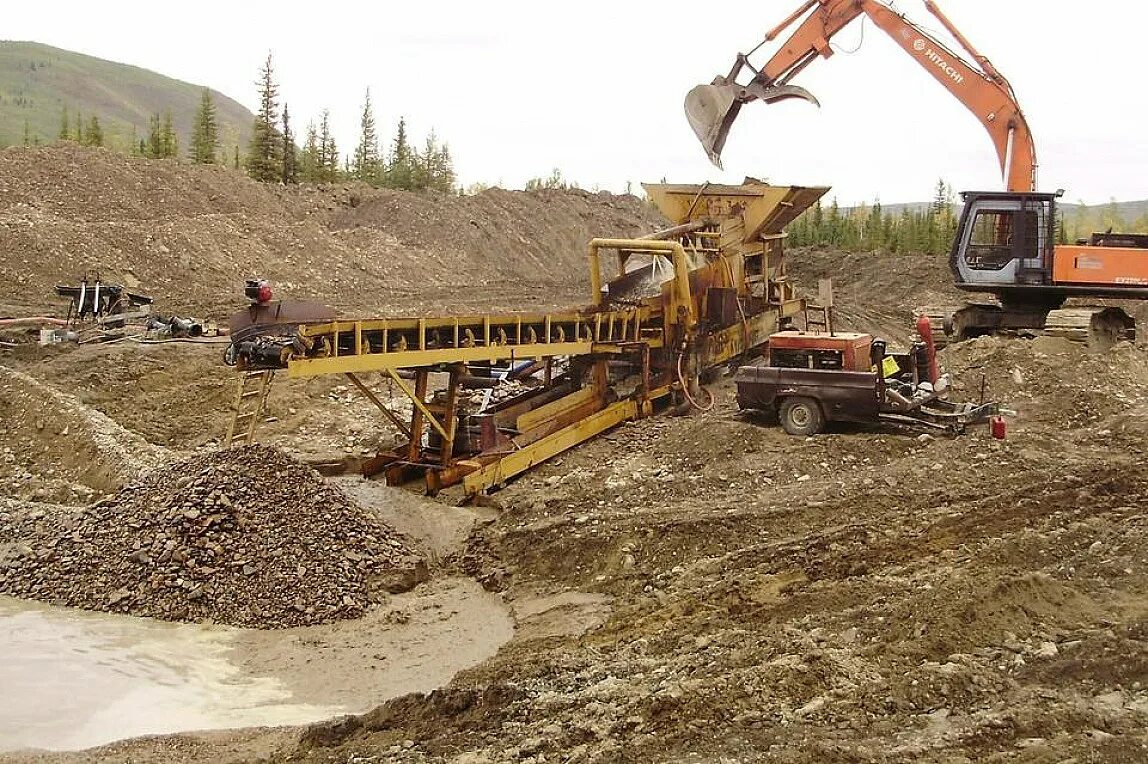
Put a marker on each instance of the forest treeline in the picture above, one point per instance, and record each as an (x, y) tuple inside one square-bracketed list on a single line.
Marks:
[(930, 228)]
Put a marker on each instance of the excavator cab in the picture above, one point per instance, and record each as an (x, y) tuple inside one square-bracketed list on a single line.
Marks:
[(1004, 239)]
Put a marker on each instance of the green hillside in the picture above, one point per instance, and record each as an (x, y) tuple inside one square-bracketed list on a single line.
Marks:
[(38, 81)]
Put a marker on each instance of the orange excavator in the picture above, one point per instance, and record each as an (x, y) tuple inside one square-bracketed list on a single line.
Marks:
[(1005, 243)]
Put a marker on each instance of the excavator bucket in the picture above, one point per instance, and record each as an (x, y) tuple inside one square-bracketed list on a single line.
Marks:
[(712, 109)]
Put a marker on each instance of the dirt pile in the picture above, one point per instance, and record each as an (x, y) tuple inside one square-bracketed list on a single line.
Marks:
[(189, 235), (247, 537), (876, 292), (54, 448), (1053, 380)]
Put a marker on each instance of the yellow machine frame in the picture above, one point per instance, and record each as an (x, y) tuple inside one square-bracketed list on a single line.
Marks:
[(622, 354)]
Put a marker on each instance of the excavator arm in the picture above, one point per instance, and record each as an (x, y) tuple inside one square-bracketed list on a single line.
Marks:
[(712, 109)]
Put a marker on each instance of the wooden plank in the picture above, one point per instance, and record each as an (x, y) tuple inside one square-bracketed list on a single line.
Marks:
[(520, 461), (532, 419)]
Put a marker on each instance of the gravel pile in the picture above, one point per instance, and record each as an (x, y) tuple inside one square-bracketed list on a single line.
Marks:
[(247, 537)]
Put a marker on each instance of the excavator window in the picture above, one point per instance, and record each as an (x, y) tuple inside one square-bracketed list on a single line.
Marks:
[(1000, 236), (990, 244)]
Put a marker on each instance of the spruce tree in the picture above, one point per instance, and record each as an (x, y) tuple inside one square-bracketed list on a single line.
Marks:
[(432, 168), (290, 159), (328, 170), (309, 162), (366, 165), (205, 131), (265, 150), (64, 134), (78, 136), (155, 144), (93, 135), (400, 164), (27, 134), (444, 178), (170, 139), (162, 142)]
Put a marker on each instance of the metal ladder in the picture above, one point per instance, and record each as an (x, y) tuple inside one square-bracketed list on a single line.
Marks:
[(250, 401)]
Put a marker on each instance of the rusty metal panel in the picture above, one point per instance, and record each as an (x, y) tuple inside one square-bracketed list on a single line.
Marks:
[(763, 209)]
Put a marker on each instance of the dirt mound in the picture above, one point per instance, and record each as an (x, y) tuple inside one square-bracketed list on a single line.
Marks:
[(54, 448), (1051, 379), (877, 292), (247, 537), (189, 234)]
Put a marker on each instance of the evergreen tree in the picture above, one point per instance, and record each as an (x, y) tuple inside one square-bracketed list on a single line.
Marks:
[(290, 158), (328, 167), (400, 164), (78, 136), (205, 131), (27, 133), (93, 135), (366, 165), (64, 134), (170, 139), (162, 142), (265, 151), (155, 142), (433, 168), (874, 234), (309, 162)]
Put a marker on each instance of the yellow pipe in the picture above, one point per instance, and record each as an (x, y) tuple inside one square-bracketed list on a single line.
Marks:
[(681, 270)]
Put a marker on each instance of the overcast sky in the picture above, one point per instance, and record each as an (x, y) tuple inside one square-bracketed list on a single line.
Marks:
[(595, 87)]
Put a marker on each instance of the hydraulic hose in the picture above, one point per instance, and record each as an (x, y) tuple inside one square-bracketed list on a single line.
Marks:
[(686, 389)]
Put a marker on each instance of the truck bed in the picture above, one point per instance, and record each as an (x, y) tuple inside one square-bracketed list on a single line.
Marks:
[(849, 396)]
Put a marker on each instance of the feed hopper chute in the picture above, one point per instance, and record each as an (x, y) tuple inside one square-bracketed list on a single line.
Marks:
[(762, 209)]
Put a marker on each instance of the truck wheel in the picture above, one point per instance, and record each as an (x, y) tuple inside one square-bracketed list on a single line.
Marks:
[(801, 416)]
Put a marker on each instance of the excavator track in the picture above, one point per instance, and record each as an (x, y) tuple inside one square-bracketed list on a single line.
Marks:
[(1099, 327), (1096, 326)]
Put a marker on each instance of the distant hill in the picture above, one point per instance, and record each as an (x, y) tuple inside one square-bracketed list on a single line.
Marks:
[(38, 81)]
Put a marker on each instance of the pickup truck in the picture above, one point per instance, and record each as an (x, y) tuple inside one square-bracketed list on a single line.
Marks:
[(806, 399)]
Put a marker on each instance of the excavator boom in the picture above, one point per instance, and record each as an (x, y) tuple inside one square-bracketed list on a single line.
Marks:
[(712, 109)]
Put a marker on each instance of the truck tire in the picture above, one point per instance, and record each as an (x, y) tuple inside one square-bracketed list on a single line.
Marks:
[(801, 416)]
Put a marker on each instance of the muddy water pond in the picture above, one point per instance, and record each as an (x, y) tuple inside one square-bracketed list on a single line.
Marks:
[(70, 679)]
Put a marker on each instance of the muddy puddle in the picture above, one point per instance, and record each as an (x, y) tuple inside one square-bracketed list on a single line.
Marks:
[(70, 679)]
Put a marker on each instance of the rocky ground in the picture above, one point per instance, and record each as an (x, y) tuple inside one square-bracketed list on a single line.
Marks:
[(706, 588), (244, 536)]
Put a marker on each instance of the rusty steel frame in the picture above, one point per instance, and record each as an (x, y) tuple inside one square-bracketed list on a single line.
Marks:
[(733, 237)]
